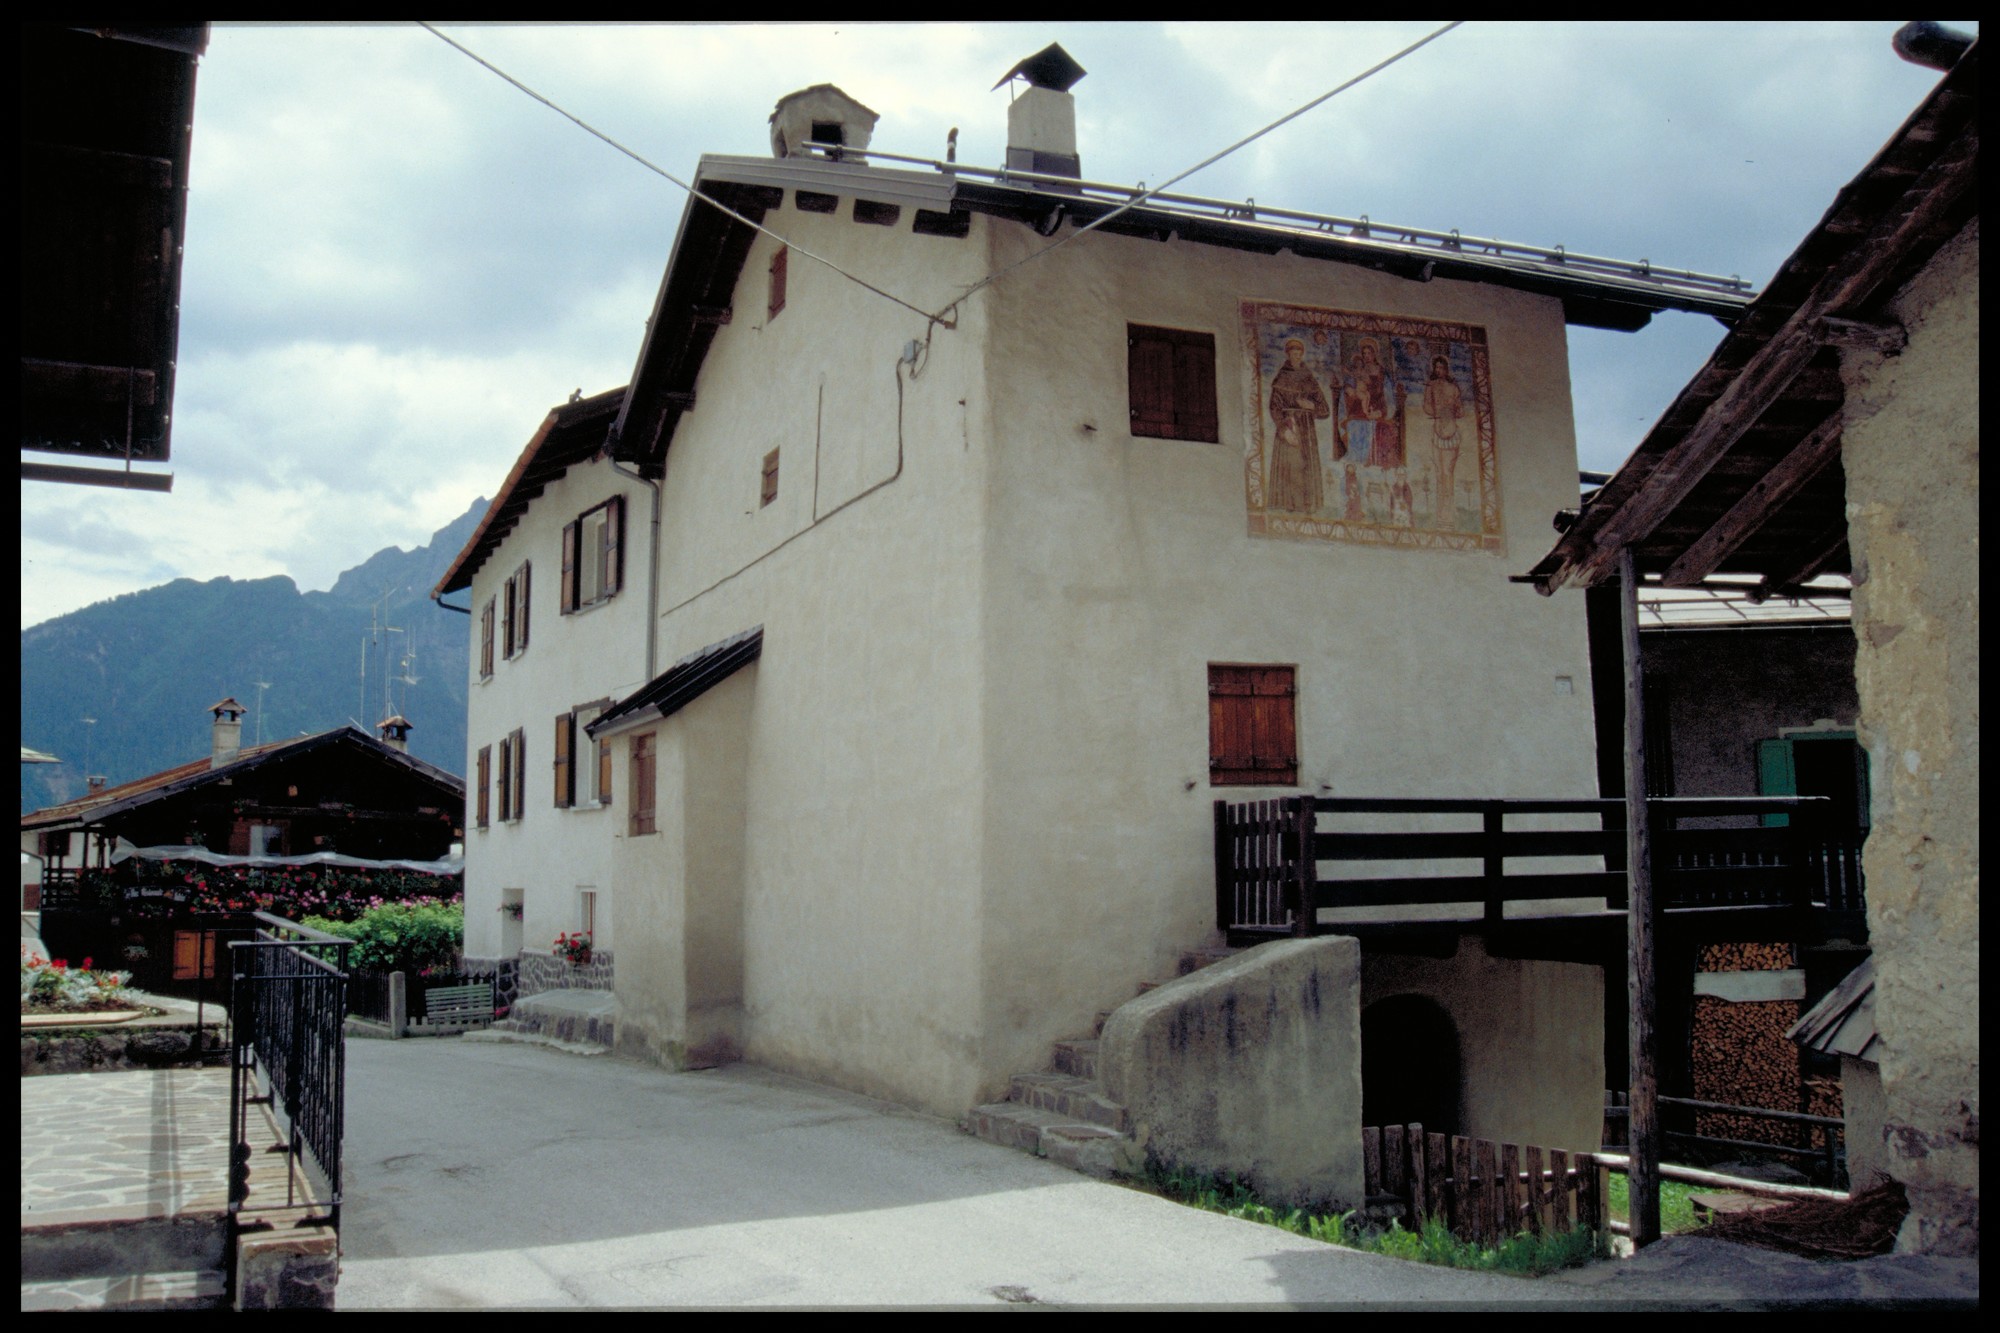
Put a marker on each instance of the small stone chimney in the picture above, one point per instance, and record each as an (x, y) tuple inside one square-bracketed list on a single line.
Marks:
[(96, 783), (821, 114), (396, 732), (1041, 120), (228, 732)]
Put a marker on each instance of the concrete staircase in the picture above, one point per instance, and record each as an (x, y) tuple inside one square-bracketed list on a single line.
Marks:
[(1064, 1113), (581, 1022)]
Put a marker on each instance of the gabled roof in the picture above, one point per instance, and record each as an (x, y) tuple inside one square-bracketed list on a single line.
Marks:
[(1741, 475), (682, 683), (1844, 1022), (127, 796), (568, 435), (711, 247)]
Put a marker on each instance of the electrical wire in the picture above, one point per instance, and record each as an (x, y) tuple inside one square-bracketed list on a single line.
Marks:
[(588, 128), (1206, 162)]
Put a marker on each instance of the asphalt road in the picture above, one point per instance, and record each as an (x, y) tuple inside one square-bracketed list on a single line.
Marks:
[(500, 1175)]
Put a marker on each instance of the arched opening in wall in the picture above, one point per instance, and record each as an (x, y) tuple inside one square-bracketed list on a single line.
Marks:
[(1409, 1064)]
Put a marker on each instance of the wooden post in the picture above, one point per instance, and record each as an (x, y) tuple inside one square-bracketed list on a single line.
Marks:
[(1459, 1219), (1512, 1224), (1225, 865), (1393, 1174), (1437, 1174), (1305, 871), (1420, 1199), (1491, 823), (1537, 1190), (1640, 918)]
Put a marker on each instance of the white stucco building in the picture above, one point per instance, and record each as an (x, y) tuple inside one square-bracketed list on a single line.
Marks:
[(974, 616)]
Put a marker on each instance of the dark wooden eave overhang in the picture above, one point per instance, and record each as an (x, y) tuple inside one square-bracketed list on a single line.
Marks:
[(106, 124), (568, 435), (682, 683), (101, 807), (710, 249), (1741, 474)]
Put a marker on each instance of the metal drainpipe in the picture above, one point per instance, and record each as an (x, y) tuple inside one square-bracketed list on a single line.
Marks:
[(652, 570)]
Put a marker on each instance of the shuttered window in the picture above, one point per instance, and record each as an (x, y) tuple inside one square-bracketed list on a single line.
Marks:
[(509, 595), (770, 491), (521, 610), (194, 954), (565, 769), (483, 774), (642, 783), (486, 640), (1171, 378), (593, 555), (604, 771), (778, 266), (1252, 726)]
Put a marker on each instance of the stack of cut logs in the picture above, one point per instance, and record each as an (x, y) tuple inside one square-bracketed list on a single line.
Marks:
[(1740, 1054)]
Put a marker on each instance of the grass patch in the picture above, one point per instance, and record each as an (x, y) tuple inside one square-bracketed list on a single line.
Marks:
[(1524, 1255), (1676, 1205)]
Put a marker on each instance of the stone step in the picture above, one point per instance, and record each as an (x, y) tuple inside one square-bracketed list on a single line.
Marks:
[(1091, 1149), (203, 1289), (1075, 1099), (1077, 1057), (60, 1250), (508, 1032)]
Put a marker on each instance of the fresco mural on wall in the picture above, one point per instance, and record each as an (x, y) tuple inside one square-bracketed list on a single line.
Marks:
[(1370, 428)]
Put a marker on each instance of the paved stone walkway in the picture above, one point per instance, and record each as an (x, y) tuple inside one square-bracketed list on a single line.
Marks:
[(134, 1144)]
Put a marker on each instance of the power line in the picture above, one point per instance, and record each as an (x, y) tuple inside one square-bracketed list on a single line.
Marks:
[(1209, 161), (651, 166)]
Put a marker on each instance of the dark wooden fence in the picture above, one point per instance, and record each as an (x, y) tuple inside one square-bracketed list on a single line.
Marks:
[(1779, 854), (1485, 1192)]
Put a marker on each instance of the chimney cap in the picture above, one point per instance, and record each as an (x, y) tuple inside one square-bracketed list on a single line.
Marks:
[(1051, 67), (397, 721), (227, 706)]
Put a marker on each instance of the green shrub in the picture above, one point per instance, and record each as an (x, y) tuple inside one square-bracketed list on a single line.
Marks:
[(401, 937)]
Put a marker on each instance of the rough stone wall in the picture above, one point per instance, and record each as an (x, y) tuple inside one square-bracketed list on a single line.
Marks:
[(1911, 451)]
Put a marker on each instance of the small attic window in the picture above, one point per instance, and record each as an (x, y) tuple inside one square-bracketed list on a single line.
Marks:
[(828, 131)]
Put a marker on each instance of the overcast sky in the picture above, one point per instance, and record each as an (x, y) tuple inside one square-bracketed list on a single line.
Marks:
[(396, 263)]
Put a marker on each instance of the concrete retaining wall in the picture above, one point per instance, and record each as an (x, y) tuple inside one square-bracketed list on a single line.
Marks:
[(1251, 1070)]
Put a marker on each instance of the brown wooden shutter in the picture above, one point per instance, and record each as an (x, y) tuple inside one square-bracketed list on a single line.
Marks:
[(194, 954), (1150, 376), (614, 547), (565, 776), (604, 770), (505, 788), (523, 576), (779, 263), (1194, 388), (1252, 731), (520, 774), (486, 639), (642, 783), (484, 775), (569, 566), (1171, 380)]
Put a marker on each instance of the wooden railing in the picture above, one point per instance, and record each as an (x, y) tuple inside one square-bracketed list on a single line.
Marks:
[(1787, 857), (1485, 1192)]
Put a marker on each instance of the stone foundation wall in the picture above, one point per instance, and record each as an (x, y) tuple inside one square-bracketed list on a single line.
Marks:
[(545, 972), (95, 1050)]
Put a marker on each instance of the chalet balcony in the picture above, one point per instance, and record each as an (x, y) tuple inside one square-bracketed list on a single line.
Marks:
[(1542, 878)]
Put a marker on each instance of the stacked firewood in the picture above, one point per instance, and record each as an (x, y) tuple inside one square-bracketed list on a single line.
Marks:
[(1739, 1051)]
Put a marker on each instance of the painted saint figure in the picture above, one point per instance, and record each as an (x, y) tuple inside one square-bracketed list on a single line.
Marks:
[(1444, 404), (1371, 415), (1296, 405)]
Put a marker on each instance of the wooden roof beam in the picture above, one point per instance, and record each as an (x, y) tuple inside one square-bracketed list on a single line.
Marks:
[(1814, 556), (1848, 285), (1757, 504)]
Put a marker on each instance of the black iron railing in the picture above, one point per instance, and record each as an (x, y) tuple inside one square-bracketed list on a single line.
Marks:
[(1708, 853), (288, 1002)]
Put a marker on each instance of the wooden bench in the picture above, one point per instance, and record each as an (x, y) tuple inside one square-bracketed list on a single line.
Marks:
[(459, 1006)]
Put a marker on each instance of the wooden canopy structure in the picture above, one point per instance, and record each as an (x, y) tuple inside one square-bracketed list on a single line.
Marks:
[(1740, 475)]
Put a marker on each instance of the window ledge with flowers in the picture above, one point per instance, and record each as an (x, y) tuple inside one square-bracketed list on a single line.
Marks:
[(573, 948)]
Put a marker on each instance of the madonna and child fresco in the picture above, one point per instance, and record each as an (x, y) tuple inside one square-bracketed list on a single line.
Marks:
[(1370, 428)]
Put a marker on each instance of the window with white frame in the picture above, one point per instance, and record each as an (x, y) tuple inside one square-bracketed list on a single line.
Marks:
[(593, 556)]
